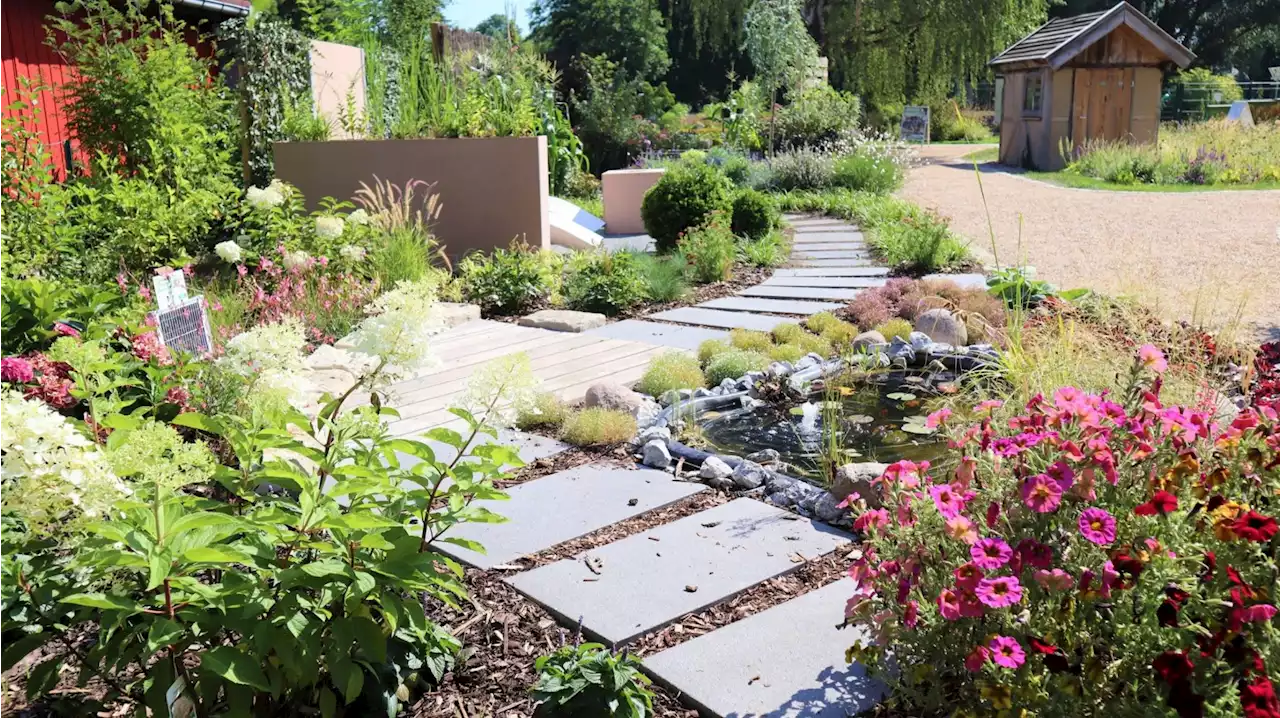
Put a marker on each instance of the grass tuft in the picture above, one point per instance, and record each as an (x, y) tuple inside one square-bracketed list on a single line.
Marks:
[(598, 427), (733, 364), (547, 412), (750, 341), (711, 349), (673, 370)]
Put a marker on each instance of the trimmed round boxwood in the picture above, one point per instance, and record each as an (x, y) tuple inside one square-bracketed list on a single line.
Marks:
[(683, 198), (754, 214)]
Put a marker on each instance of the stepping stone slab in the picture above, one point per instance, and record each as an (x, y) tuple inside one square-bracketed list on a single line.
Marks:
[(530, 447), (817, 221), (650, 579), (833, 272), (563, 320), (551, 510), (717, 318), (666, 335), (785, 661), (968, 281), (829, 254), (837, 282), (805, 244), (829, 234), (819, 293), (806, 262), (772, 306)]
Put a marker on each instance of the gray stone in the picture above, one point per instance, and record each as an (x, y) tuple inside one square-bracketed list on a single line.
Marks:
[(764, 456), (829, 282), (563, 320), (771, 306), (749, 475), (833, 263), (867, 340), (720, 483), (805, 362), (900, 349), (656, 455), (717, 318), (581, 500), (778, 369), (785, 662), (452, 314), (701, 392), (611, 395), (831, 254), (833, 272), (920, 341), (666, 335), (827, 509), (641, 580), (857, 477), (654, 432), (530, 447), (647, 413), (943, 327), (766, 290), (729, 384), (715, 468)]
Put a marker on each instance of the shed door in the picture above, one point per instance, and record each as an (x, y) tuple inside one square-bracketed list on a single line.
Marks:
[(1102, 105)]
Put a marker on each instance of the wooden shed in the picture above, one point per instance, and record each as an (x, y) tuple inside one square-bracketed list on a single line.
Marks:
[(1088, 77)]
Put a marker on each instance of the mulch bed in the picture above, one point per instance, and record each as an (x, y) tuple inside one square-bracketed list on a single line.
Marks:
[(619, 455)]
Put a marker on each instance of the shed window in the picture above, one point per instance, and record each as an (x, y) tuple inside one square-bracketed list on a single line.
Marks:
[(1033, 95)]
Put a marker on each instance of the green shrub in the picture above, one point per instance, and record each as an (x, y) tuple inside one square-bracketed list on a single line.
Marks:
[(709, 250), (922, 243), (788, 332), (787, 352), (598, 427), (817, 116), (733, 364), (664, 276), (604, 282), (768, 251), (684, 198), (547, 411), (813, 344), (508, 281), (839, 332), (895, 328), (820, 322), (801, 169), (735, 167), (754, 214), (868, 173), (589, 681), (711, 349), (750, 340), (673, 370)]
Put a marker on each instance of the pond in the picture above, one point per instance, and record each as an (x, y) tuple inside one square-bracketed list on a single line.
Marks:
[(881, 419)]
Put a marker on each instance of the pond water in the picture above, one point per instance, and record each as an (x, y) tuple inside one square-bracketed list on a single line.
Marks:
[(880, 420)]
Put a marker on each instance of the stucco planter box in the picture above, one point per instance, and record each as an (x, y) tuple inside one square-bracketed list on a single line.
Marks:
[(492, 189), (623, 191)]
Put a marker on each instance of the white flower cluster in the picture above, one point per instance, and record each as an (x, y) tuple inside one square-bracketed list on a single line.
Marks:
[(270, 356), (330, 227), (399, 330), (52, 474), (273, 195), (295, 259), (352, 253), (359, 217), (228, 251), (501, 390)]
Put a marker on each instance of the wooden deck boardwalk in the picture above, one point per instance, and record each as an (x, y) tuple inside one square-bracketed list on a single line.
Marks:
[(564, 363)]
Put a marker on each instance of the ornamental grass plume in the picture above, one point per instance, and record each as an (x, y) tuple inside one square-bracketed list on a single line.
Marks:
[(502, 391)]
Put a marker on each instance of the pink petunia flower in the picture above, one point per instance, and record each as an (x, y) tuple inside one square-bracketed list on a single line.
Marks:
[(949, 604), (1034, 554), (968, 576), (1062, 474), (993, 514), (948, 501), (1097, 526), (966, 470), (1041, 494), (1152, 358), (937, 418), (872, 518), (1260, 613), (1054, 580), (1006, 652), (988, 406), (911, 615), (999, 592), (990, 554), (962, 529), (970, 606), (976, 659)]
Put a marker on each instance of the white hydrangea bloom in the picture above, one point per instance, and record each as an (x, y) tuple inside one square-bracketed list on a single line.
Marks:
[(359, 217), (501, 390), (352, 253), (228, 251), (270, 356), (52, 474), (296, 259), (273, 195), (330, 227), (399, 330)]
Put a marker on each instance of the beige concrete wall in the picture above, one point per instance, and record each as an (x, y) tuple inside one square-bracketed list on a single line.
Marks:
[(337, 73), (492, 189), (622, 192)]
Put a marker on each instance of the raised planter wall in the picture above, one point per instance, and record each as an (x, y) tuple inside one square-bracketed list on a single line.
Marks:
[(492, 190), (623, 192)]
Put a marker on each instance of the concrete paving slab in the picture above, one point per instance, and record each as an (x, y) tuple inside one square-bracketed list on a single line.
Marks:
[(563, 506), (832, 272), (818, 293), (772, 306), (717, 318), (830, 254), (634, 242), (666, 335), (828, 247), (816, 221), (975, 281), (805, 262), (837, 282), (530, 447), (812, 237), (647, 580), (787, 662)]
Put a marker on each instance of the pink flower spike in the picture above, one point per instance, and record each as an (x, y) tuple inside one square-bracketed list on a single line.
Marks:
[(990, 554), (936, 419), (1152, 358), (1097, 526), (1006, 652), (1000, 592), (1041, 494)]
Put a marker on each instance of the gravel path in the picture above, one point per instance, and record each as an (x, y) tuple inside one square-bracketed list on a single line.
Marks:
[(1202, 256)]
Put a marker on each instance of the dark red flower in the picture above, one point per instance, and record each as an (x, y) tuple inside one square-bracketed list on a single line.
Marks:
[(1253, 526), (1162, 503), (1173, 666), (1185, 701), (1041, 647), (1258, 699), (1167, 614), (1215, 502), (1210, 564)]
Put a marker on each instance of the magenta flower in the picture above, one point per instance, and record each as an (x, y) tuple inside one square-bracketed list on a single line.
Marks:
[(988, 406), (968, 576), (1152, 358), (976, 659), (16, 370), (1055, 580), (1062, 473), (1034, 553), (1260, 613), (1006, 652), (990, 554), (911, 615), (937, 418), (1041, 494), (999, 592), (1098, 526), (949, 604), (949, 502)]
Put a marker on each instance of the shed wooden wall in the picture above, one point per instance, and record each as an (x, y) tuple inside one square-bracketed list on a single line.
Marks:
[(25, 55), (1025, 138)]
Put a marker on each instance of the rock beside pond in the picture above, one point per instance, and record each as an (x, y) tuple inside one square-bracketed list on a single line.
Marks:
[(919, 341), (715, 468), (943, 327), (749, 475), (901, 349), (610, 395), (765, 456), (866, 340), (654, 432), (655, 454), (852, 478), (827, 508)]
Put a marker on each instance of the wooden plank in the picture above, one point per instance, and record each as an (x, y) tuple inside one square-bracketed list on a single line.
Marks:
[(1080, 109), (469, 362)]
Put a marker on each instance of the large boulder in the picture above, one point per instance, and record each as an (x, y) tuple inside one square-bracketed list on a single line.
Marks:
[(943, 327), (715, 468), (867, 339), (611, 395), (852, 478)]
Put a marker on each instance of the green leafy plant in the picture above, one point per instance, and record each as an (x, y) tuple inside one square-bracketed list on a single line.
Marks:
[(712, 348), (868, 172), (801, 169), (507, 281), (597, 426), (588, 680), (786, 352), (604, 282), (750, 340), (672, 370), (664, 275), (817, 116), (733, 364), (683, 199), (547, 411), (709, 250), (768, 251), (31, 308), (755, 215), (895, 328)]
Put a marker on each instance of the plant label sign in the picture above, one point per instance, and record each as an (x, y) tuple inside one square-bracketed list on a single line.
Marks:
[(915, 123), (171, 289)]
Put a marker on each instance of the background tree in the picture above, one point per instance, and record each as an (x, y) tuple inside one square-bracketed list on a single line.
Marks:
[(706, 41), (499, 27), (779, 47), (629, 33)]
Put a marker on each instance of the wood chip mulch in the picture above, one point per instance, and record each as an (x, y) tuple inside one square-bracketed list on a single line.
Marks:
[(618, 455)]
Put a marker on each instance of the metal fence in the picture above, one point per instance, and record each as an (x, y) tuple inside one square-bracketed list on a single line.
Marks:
[(1194, 101)]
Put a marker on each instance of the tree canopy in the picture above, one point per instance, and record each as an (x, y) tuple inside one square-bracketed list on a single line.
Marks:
[(499, 27), (630, 33)]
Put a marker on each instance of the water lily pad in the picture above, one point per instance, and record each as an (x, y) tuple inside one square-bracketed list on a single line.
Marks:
[(917, 429), (859, 419), (900, 396), (914, 379), (797, 411)]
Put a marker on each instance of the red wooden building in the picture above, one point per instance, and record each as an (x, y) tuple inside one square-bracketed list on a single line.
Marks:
[(26, 55)]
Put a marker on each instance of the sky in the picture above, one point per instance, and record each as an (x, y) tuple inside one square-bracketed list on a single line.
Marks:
[(468, 13)]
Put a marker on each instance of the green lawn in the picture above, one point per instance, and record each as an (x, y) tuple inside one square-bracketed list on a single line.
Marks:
[(991, 154), (1070, 179), (988, 141)]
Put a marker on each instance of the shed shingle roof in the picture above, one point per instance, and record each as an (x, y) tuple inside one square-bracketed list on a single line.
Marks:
[(1051, 35), (1043, 46)]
